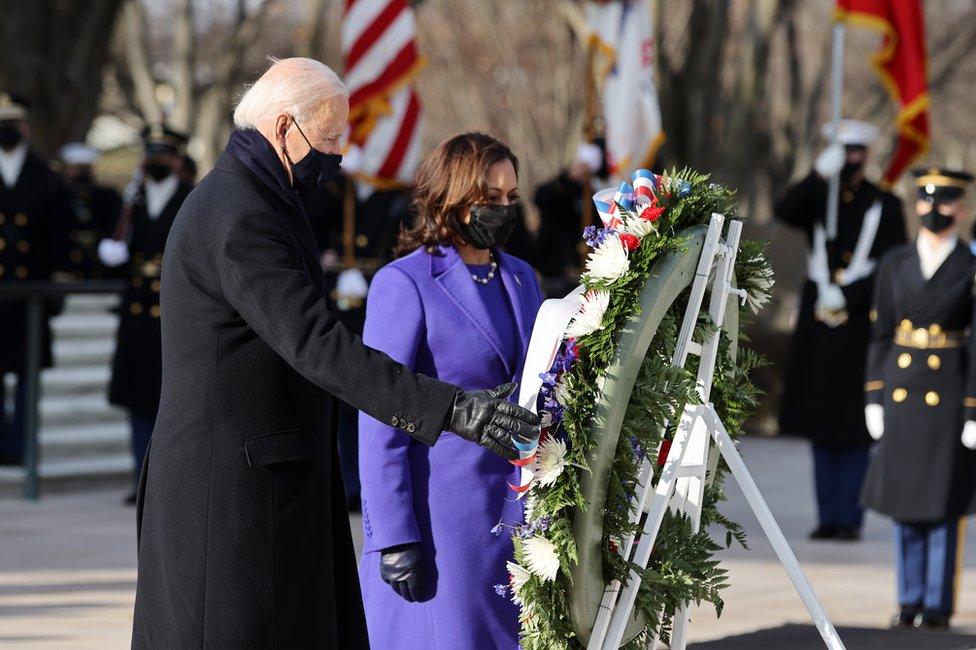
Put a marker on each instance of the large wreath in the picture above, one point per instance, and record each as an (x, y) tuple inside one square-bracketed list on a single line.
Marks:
[(642, 224)]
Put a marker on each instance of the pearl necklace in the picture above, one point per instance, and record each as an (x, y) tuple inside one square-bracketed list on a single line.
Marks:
[(491, 271)]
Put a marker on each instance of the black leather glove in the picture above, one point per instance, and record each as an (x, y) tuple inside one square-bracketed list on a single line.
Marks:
[(402, 567), (484, 417)]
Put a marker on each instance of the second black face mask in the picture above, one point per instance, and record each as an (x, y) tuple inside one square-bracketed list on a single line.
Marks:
[(490, 225), (10, 136), (316, 168), (157, 171), (935, 221)]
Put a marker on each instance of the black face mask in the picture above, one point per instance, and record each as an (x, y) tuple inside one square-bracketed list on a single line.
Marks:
[(157, 171), (935, 221), (850, 169), (82, 179), (10, 136), (315, 169), (490, 225)]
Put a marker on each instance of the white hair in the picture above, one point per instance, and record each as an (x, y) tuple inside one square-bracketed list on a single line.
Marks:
[(300, 93)]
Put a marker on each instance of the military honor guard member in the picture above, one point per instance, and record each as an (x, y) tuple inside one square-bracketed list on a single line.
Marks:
[(32, 201), (94, 212), (921, 399), (137, 367), (823, 397)]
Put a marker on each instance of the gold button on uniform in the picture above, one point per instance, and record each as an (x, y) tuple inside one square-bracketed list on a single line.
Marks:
[(21, 272), (155, 286), (20, 219), (935, 329), (906, 324), (23, 246), (932, 398), (135, 308), (899, 394), (904, 360), (873, 315), (934, 361), (154, 311)]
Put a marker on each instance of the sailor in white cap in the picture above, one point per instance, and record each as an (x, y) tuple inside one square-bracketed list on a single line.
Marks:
[(94, 212), (823, 396)]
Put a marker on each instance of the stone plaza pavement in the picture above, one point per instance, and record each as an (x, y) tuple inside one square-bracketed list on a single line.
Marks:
[(67, 567)]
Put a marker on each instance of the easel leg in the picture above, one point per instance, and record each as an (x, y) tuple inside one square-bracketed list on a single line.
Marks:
[(773, 533)]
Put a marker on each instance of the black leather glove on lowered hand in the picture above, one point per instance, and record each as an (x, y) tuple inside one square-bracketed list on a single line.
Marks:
[(402, 567), (484, 417)]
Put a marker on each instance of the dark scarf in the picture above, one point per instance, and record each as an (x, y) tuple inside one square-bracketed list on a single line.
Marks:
[(256, 153)]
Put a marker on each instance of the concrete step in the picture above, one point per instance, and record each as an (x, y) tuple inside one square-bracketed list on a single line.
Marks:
[(85, 325), (118, 465), (87, 441), (84, 351), (88, 303), (68, 410), (78, 380)]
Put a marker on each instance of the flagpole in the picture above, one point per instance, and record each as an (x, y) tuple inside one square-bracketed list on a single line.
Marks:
[(349, 224), (836, 101), (589, 109)]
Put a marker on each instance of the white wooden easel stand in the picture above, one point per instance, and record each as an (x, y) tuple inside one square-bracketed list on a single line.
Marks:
[(691, 462)]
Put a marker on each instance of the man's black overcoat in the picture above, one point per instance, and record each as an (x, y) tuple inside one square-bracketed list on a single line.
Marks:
[(244, 535)]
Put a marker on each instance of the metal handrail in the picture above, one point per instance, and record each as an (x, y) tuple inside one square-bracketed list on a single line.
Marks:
[(35, 293)]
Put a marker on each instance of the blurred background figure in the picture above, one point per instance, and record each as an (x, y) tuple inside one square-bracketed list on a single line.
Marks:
[(94, 212), (561, 203), (32, 202), (921, 394), (823, 397), (139, 241)]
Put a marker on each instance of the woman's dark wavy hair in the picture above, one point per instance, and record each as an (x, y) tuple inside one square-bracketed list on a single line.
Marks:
[(450, 180)]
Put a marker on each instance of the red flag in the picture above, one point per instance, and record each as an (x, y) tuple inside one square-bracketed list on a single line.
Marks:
[(903, 67)]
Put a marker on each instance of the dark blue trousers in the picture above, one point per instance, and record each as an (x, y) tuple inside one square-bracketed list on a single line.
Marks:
[(142, 428), (839, 473), (927, 564), (12, 424)]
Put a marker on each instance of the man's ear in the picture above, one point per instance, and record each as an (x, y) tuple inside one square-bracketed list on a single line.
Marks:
[(282, 122)]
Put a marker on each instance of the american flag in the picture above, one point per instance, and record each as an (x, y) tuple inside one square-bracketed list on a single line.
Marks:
[(381, 60)]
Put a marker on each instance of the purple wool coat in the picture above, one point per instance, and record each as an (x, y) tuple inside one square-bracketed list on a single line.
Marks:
[(425, 311)]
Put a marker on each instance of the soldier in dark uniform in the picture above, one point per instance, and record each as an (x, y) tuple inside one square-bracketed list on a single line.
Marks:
[(32, 201), (823, 398), (921, 394), (560, 203), (137, 367), (94, 211)]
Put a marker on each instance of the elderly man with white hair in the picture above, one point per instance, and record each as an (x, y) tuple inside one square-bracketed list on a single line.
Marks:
[(244, 539)]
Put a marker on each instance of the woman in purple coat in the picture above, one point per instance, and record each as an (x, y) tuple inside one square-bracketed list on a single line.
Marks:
[(454, 307)]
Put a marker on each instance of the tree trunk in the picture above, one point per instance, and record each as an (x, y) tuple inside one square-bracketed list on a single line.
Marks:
[(53, 52)]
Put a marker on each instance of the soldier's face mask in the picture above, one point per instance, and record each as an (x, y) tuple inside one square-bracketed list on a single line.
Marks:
[(10, 135), (157, 170), (935, 221)]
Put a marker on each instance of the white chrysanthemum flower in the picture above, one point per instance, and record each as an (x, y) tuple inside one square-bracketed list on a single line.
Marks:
[(609, 261), (590, 316), (550, 461), (541, 557), (518, 577), (528, 507), (638, 227)]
